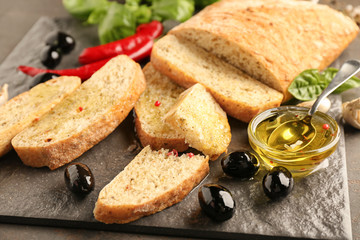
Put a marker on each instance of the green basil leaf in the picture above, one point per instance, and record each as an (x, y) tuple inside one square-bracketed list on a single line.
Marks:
[(118, 19), (329, 74), (199, 4), (97, 15), (143, 14), (308, 85), (180, 10), (132, 5), (81, 9), (118, 23), (353, 82)]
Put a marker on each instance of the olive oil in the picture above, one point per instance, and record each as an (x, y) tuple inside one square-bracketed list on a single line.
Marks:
[(300, 162)]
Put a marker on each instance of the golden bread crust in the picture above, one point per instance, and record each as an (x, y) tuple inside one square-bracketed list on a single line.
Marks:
[(157, 142), (241, 110), (204, 124), (28, 107), (161, 136), (124, 213), (60, 152), (271, 40)]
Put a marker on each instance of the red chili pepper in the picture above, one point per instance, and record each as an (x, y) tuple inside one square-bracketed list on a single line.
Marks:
[(145, 33), (86, 71), (142, 51), (83, 72), (153, 29)]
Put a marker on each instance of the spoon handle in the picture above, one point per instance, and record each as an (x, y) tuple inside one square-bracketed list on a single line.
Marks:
[(347, 70)]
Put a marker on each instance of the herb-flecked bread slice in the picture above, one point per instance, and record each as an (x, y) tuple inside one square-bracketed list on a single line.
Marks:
[(28, 107), (151, 182), (159, 96), (239, 95), (84, 118), (204, 124)]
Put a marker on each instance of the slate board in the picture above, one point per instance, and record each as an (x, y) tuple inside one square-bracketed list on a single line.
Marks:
[(317, 208)]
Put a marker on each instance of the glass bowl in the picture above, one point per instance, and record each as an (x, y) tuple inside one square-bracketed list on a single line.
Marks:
[(304, 161)]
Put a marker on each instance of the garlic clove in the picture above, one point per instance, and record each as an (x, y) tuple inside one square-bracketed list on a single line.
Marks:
[(323, 107), (351, 112), (4, 94)]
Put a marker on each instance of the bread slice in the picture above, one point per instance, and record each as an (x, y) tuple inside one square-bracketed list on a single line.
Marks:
[(238, 94), (149, 123), (4, 95), (153, 181), (271, 40), (84, 118), (26, 108), (204, 124)]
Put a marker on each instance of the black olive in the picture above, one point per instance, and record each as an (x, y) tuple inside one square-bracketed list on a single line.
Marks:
[(239, 164), (216, 201), (62, 41), (278, 183), (79, 178), (43, 77), (50, 56)]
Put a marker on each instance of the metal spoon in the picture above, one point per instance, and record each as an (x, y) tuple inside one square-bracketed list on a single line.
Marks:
[(294, 135)]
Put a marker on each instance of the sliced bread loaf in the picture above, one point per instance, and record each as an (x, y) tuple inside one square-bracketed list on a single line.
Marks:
[(26, 108), (238, 94), (153, 181), (271, 40), (204, 124), (160, 94), (84, 118)]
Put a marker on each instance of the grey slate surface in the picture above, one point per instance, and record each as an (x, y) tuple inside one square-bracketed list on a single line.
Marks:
[(317, 208)]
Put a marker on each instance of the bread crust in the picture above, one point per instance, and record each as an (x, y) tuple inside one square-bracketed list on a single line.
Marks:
[(211, 132), (233, 108), (59, 153), (271, 40), (31, 115), (157, 142), (127, 213)]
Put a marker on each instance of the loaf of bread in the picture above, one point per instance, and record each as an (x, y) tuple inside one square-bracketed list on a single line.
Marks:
[(160, 94), (84, 118), (239, 95), (153, 181), (26, 108), (271, 40), (201, 120)]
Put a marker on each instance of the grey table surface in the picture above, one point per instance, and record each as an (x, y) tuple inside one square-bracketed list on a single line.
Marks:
[(17, 17)]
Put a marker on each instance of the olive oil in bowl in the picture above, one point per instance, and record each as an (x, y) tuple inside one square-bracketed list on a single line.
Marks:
[(303, 161)]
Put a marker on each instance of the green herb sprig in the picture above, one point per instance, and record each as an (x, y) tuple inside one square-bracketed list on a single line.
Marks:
[(119, 19), (309, 84)]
